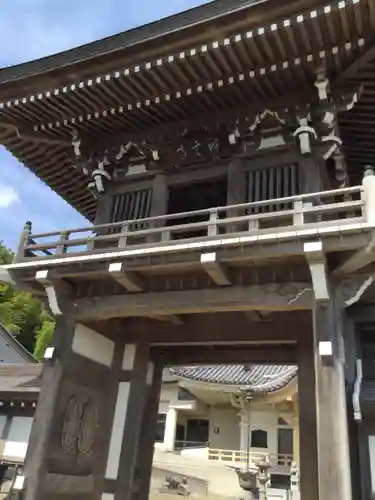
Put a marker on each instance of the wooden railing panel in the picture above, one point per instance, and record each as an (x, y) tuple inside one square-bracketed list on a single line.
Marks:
[(305, 211), (236, 457)]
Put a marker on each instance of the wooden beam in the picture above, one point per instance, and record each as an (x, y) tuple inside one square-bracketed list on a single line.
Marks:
[(172, 318), (58, 291), (129, 280), (211, 329), (271, 296), (34, 137), (214, 269), (317, 264), (195, 355), (363, 314), (357, 260), (356, 65), (253, 316)]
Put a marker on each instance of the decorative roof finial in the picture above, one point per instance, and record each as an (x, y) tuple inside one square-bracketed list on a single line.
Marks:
[(368, 171)]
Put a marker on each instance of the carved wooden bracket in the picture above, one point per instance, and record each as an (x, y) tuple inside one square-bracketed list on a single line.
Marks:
[(215, 270), (316, 260), (57, 291)]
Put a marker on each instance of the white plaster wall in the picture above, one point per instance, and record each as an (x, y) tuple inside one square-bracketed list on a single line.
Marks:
[(267, 421), (168, 396), (16, 444), (371, 446), (3, 419), (227, 421)]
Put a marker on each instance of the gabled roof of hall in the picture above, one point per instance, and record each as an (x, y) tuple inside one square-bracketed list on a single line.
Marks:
[(257, 378), (12, 351), (20, 378)]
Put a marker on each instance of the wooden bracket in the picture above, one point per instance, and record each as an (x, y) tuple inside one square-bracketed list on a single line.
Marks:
[(357, 260), (172, 318), (317, 263), (214, 269), (56, 290), (352, 289), (128, 280)]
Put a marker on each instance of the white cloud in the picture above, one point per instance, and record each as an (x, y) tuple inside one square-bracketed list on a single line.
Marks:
[(8, 196)]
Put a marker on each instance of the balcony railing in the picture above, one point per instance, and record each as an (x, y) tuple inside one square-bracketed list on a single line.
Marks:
[(235, 457), (280, 215)]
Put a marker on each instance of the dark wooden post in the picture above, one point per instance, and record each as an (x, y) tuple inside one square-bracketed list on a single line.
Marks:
[(24, 240), (159, 202), (310, 174), (145, 451), (135, 380), (308, 454), (86, 428), (351, 355), (236, 191), (103, 216), (332, 424), (104, 209)]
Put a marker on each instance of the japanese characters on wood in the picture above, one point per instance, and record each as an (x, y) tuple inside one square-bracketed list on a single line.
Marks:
[(112, 161)]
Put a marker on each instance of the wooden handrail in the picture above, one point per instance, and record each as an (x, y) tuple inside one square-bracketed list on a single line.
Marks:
[(238, 456), (213, 226), (206, 211)]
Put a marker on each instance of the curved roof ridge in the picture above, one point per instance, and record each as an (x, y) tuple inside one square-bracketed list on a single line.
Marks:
[(258, 378)]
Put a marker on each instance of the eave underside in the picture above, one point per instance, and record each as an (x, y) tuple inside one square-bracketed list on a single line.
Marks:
[(244, 73)]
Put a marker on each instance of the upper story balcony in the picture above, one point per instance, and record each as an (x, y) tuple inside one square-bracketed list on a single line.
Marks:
[(334, 212), (343, 218), (261, 243)]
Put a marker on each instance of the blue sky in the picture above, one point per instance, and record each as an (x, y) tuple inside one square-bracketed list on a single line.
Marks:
[(30, 29)]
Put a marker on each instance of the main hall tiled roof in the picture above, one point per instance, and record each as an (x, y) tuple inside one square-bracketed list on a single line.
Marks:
[(258, 378)]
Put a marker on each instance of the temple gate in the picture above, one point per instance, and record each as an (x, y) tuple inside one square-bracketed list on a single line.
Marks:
[(223, 170)]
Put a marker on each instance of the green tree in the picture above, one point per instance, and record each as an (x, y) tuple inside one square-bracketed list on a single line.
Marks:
[(24, 315), (44, 336)]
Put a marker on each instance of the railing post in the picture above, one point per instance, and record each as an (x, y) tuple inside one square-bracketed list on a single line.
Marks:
[(368, 183), (122, 242), (212, 228), (61, 248), (24, 240), (298, 216)]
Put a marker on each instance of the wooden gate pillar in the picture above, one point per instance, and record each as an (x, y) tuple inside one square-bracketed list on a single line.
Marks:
[(87, 425), (332, 422), (145, 452), (308, 453)]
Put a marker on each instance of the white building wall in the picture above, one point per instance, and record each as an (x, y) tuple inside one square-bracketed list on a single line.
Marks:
[(371, 444), (267, 421), (168, 396), (225, 431), (224, 428), (17, 441), (3, 419)]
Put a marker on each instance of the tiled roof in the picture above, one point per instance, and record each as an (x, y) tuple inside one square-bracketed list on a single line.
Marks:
[(13, 344), (20, 377), (148, 32), (258, 378)]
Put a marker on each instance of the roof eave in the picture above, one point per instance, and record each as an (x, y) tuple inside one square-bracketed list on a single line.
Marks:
[(229, 10)]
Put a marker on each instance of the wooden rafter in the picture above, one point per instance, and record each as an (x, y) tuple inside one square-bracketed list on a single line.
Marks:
[(356, 65)]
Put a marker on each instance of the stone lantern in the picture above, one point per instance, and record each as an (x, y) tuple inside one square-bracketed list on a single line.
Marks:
[(263, 477), (248, 483)]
